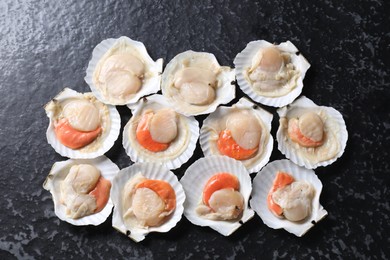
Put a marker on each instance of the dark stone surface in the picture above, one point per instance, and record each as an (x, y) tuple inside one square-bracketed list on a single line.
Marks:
[(46, 45)]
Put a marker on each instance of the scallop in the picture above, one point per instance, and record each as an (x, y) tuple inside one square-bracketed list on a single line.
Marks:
[(271, 74), (299, 199), (217, 190), (311, 135), (157, 133), (147, 198), (241, 132), (81, 127), (121, 71), (196, 84), (81, 190)]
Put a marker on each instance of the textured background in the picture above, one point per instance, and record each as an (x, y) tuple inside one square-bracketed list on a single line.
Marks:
[(46, 45)]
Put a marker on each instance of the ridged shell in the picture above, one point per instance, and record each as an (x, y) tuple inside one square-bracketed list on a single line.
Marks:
[(107, 143), (334, 121), (224, 94), (59, 172), (208, 134), (262, 184), (180, 151), (194, 181), (150, 171), (150, 86), (243, 60)]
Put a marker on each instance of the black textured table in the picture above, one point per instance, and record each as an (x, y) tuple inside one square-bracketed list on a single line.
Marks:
[(46, 45)]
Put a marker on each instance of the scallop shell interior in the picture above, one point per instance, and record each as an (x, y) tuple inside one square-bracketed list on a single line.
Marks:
[(59, 172), (153, 69), (243, 61), (211, 128), (97, 148), (262, 184), (150, 171), (194, 181), (225, 92), (335, 133), (179, 151)]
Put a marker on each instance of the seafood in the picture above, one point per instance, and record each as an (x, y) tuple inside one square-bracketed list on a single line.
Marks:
[(81, 189), (147, 198), (121, 71), (217, 190), (80, 125), (271, 74), (241, 132), (287, 196), (157, 133), (311, 135), (196, 84)]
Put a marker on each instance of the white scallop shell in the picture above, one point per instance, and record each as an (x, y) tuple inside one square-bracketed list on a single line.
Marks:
[(150, 171), (208, 134), (107, 142), (149, 86), (196, 177), (224, 94), (243, 60), (180, 150), (262, 184), (334, 121), (58, 173)]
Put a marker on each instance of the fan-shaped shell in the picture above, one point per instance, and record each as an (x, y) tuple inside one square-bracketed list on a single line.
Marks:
[(153, 69), (111, 123), (225, 91), (211, 128), (179, 151), (194, 181), (262, 184), (335, 133), (59, 172), (243, 62), (151, 171)]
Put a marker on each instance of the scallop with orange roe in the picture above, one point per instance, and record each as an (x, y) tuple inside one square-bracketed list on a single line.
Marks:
[(147, 198), (80, 125), (221, 198), (311, 135), (241, 132), (156, 133), (217, 190), (81, 190), (287, 196)]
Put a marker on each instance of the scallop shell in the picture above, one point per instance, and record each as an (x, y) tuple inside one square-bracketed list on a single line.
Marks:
[(196, 177), (208, 134), (334, 121), (244, 59), (59, 172), (149, 86), (262, 184), (224, 94), (107, 142), (181, 149), (150, 171)]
